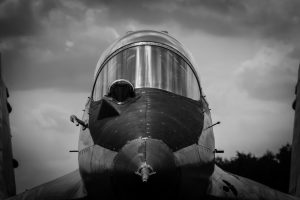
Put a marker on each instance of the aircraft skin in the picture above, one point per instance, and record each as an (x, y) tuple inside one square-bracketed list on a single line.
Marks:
[(7, 176), (146, 132)]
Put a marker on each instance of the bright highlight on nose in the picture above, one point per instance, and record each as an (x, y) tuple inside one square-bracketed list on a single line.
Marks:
[(145, 171)]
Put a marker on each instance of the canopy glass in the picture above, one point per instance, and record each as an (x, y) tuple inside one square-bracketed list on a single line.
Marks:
[(148, 66)]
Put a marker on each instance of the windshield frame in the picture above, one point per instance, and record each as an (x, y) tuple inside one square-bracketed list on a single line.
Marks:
[(146, 43)]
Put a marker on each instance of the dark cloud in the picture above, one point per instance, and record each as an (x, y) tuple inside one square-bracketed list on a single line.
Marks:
[(270, 75), (269, 88), (210, 16), (43, 46), (17, 19), (44, 7), (296, 53), (24, 18), (34, 28), (64, 70), (278, 19)]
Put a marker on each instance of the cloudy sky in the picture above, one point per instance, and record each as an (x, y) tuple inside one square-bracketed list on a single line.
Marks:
[(247, 54)]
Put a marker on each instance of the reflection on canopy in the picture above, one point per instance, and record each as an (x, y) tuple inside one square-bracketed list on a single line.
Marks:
[(149, 66)]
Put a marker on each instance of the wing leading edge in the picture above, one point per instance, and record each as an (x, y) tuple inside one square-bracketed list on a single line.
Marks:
[(226, 186), (69, 186)]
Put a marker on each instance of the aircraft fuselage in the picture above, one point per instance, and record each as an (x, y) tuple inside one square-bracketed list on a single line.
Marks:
[(146, 138)]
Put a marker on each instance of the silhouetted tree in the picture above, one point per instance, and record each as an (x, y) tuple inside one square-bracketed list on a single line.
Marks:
[(269, 169), (284, 158)]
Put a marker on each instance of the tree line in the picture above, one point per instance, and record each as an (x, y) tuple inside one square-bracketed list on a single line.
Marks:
[(270, 169)]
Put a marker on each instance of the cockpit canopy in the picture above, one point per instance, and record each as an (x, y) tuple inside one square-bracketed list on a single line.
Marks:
[(148, 64)]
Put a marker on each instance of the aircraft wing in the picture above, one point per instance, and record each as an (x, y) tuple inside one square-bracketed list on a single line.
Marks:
[(226, 186), (69, 186)]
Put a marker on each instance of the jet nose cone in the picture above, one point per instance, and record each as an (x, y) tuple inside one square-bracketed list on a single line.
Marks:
[(145, 167)]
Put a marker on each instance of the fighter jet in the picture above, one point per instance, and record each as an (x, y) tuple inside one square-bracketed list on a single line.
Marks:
[(147, 132)]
